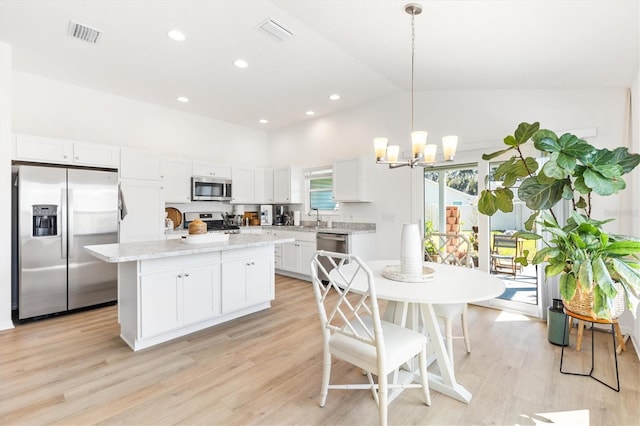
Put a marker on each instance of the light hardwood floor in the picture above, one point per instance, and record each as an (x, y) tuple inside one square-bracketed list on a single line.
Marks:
[(266, 369)]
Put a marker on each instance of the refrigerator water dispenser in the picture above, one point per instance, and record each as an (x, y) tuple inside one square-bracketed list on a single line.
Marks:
[(45, 220)]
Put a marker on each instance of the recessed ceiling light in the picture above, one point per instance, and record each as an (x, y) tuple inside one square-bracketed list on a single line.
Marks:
[(263, 121), (310, 112), (176, 35), (240, 63), (334, 97), (182, 99)]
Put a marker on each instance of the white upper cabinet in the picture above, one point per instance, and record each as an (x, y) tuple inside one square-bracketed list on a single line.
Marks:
[(140, 164), (268, 186), (250, 187), (63, 151), (259, 189), (287, 185), (176, 180), (243, 185), (47, 150), (95, 154), (353, 180), (201, 168)]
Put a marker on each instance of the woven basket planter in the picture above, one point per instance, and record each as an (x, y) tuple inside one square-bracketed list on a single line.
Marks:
[(582, 302)]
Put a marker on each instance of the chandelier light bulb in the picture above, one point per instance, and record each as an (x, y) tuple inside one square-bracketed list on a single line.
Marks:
[(380, 146), (449, 145), (430, 153), (418, 141), (393, 152)]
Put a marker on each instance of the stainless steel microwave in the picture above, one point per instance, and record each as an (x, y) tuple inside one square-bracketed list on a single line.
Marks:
[(210, 189)]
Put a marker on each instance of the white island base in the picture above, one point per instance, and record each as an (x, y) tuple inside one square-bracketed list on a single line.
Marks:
[(174, 291)]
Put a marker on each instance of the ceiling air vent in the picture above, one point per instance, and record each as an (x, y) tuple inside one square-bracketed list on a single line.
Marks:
[(83, 32), (275, 30)]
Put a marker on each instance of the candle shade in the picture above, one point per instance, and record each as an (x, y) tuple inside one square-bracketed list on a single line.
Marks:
[(430, 153), (418, 141), (380, 146), (393, 152), (449, 144)]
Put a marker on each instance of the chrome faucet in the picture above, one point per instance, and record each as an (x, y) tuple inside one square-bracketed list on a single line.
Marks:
[(317, 217)]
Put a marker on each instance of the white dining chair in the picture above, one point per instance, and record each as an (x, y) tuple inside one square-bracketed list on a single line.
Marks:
[(452, 249), (353, 331)]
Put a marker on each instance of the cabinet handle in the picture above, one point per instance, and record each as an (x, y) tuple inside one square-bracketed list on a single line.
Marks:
[(179, 275), (186, 274)]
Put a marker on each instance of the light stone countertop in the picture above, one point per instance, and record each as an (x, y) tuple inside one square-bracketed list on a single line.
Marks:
[(145, 250), (324, 229)]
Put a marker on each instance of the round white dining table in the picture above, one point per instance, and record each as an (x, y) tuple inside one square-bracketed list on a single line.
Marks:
[(411, 305)]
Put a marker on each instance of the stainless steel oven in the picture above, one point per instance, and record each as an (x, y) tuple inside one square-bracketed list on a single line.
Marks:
[(210, 189), (338, 243)]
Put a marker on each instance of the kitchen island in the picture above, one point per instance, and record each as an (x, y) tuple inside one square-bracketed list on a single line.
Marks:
[(167, 288)]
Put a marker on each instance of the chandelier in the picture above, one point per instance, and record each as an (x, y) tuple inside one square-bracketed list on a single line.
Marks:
[(422, 154)]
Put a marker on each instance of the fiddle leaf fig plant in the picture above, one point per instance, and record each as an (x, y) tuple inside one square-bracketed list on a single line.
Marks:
[(580, 251)]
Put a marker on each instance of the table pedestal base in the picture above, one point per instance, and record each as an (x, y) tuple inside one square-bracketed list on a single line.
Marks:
[(422, 318)]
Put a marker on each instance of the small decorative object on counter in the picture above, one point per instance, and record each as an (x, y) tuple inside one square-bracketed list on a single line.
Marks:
[(197, 227)]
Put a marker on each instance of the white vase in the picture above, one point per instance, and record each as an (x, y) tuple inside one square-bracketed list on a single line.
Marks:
[(411, 250)]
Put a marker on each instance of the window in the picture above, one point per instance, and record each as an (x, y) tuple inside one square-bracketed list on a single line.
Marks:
[(319, 190)]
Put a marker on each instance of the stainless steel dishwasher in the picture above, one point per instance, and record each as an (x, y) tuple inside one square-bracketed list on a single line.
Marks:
[(338, 243)]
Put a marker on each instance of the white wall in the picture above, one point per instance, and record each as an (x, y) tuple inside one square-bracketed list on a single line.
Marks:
[(52, 108), (5, 184), (480, 118)]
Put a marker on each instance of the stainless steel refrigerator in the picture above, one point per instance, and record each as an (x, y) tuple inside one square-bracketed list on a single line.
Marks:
[(60, 210)]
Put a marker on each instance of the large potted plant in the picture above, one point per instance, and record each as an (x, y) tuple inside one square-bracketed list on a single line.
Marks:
[(598, 271)]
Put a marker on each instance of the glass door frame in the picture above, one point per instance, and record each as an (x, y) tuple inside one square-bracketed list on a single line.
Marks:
[(484, 233)]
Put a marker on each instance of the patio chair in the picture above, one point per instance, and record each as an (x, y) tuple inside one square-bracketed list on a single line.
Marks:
[(501, 261), (453, 249), (353, 331)]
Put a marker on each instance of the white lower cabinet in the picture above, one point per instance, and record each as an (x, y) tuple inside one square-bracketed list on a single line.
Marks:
[(296, 256), (159, 303), (180, 295), (201, 293), (247, 278), (166, 298)]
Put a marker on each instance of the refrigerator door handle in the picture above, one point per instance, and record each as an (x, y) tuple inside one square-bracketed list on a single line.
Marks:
[(62, 220), (70, 216)]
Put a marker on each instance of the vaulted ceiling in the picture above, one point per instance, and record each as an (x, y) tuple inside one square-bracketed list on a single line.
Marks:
[(358, 49)]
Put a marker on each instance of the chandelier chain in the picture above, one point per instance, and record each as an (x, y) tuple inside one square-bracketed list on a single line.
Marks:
[(413, 51)]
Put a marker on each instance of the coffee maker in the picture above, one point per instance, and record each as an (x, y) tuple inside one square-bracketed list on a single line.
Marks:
[(281, 215)]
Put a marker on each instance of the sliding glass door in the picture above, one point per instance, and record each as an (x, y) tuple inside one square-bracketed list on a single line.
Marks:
[(450, 196), (521, 282)]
